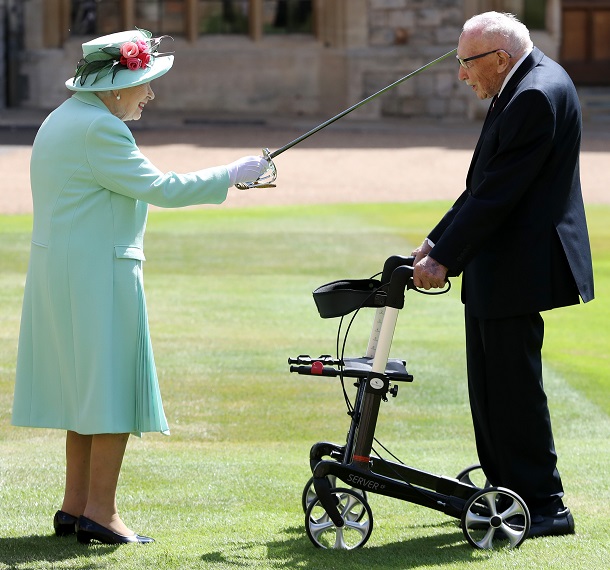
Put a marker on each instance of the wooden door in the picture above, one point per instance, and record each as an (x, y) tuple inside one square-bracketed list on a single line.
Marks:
[(585, 46)]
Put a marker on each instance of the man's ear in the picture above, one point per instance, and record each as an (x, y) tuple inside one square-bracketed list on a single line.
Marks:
[(503, 61)]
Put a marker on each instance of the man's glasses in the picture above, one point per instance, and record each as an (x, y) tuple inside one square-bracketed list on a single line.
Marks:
[(464, 61)]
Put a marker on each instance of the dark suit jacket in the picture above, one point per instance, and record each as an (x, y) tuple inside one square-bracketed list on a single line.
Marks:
[(518, 232)]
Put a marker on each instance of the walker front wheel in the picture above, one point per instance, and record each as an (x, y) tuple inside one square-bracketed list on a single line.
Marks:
[(473, 476), (309, 492), (357, 518), (495, 517)]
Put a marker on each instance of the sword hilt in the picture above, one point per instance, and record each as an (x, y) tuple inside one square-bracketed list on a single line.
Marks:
[(265, 180)]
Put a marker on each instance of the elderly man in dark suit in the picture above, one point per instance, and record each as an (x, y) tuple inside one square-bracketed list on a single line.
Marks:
[(518, 234)]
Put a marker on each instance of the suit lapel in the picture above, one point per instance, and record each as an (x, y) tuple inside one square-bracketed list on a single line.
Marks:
[(531, 61), (489, 118), (498, 104)]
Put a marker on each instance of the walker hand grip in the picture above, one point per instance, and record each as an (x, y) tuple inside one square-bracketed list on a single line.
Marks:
[(392, 263), (313, 371), (398, 272), (402, 279)]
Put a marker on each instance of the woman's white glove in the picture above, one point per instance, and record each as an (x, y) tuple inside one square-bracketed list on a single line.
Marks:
[(247, 169)]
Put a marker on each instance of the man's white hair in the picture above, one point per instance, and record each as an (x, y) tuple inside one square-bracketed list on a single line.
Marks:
[(501, 27)]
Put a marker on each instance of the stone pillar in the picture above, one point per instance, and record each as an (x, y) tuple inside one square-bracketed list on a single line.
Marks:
[(256, 20), (56, 22), (343, 31), (191, 21)]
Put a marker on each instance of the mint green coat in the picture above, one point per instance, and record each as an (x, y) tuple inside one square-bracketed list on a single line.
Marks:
[(85, 360)]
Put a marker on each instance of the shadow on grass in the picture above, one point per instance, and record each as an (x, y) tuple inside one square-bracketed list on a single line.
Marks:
[(48, 549), (296, 551)]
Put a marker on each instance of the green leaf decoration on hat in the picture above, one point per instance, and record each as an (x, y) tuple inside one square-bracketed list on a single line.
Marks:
[(93, 64), (112, 51), (146, 32)]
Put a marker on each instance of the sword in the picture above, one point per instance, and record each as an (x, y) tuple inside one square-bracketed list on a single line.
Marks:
[(269, 177)]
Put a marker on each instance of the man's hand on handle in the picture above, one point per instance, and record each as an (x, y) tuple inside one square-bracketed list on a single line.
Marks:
[(428, 273)]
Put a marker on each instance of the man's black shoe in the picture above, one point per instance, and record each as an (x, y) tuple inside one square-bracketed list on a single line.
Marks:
[(552, 525)]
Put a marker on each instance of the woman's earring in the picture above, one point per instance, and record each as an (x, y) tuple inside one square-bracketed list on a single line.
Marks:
[(118, 97)]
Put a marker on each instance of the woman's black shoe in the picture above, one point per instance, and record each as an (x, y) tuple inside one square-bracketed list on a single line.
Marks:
[(64, 523), (88, 530)]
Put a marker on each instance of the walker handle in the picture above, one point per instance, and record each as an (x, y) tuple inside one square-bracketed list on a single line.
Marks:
[(392, 263), (401, 280)]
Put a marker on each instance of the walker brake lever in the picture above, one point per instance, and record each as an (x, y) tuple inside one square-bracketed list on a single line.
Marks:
[(266, 180)]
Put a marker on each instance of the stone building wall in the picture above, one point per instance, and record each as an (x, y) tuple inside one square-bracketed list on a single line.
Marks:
[(361, 47), (404, 35)]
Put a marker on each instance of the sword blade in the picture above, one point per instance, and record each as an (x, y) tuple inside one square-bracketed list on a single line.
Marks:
[(356, 106)]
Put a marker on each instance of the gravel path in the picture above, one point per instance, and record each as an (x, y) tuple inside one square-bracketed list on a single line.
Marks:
[(350, 161)]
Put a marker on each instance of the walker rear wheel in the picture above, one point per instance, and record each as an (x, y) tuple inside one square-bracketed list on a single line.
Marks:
[(357, 517), (495, 517)]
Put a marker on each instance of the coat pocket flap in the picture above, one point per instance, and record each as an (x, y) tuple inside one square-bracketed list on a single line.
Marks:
[(129, 252)]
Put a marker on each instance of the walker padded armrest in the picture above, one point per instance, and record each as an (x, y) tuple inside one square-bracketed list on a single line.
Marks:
[(340, 298)]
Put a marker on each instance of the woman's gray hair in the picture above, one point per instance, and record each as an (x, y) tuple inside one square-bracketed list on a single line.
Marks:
[(515, 37)]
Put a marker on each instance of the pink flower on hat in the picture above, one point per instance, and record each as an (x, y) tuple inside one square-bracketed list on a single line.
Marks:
[(144, 57), (133, 63), (135, 55), (142, 45), (130, 49)]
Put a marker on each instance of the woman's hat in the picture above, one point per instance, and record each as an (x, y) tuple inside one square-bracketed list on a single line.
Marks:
[(120, 60)]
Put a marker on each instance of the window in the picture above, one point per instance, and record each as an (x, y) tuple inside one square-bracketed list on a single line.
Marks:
[(223, 16), (287, 17), (84, 17), (91, 17), (534, 14), (161, 16), (234, 16), (193, 18)]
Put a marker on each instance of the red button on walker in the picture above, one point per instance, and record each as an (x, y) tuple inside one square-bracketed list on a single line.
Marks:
[(317, 368)]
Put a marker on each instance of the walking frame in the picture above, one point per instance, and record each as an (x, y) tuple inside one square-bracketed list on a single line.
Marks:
[(335, 499)]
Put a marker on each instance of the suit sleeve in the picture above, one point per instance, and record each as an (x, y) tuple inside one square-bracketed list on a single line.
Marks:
[(437, 232), (118, 165), (524, 135)]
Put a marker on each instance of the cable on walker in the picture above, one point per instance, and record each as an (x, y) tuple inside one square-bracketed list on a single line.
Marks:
[(365, 299), (335, 499)]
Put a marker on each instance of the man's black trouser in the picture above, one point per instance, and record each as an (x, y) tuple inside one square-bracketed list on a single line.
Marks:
[(510, 414)]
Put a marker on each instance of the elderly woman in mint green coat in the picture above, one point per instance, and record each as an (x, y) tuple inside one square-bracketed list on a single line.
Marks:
[(85, 361)]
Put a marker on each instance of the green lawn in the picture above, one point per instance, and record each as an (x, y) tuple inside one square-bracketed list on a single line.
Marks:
[(229, 298)]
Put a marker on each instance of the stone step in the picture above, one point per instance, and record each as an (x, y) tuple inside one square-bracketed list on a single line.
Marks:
[(595, 103)]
